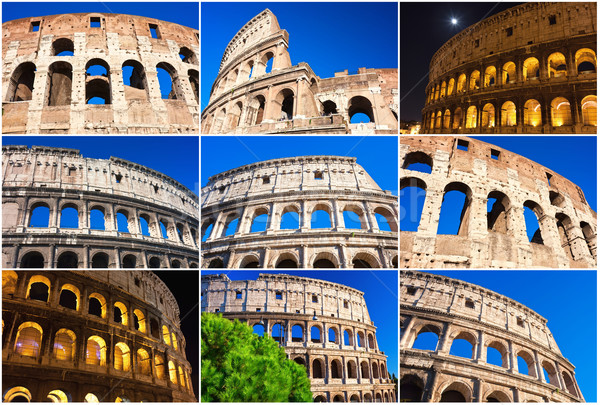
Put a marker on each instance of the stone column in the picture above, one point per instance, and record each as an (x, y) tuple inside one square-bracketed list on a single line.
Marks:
[(513, 367), (444, 342), (481, 355)]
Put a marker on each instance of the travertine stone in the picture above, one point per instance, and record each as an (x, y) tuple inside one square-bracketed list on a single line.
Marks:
[(277, 186), (567, 222), (148, 337), (245, 99), (59, 178), (307, 303), (529, 55), (454, 309), (47, 94)]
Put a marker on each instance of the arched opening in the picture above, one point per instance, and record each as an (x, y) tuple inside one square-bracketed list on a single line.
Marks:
[(446, 119), (569, 384), (154, 263), (351, 369), (450, 86), (297, 334), (216, 264), (332, 335), (159, 366), (175, 264), (122, 357), (489, 77), (488, 117), (564, 225), (329, 108), (256, 111), (457, 121), (589, 110), (250, 262), (193, 76), (260, 219), (497, 354), (97, 82), (20, 87), (461, 84), (143, 362), (471, 117), (29, 339), (532, 212), (557, 65), (38, 289), (585, 60), (560, 112), (348, 341), (418, 161), (69, 217), (91, 398), (139, 322), (69, 297), (58, 396), (531, 69), (508, 114), (509, 73), (231, 225), (497, 206), (166, 335), (286, 261), (134, 80), (364, 370), (97, 305), (354, 217), (100, 261), (320, 217), (455, 392), (412, 200), (123, 221), (319, 398), (498, 396), (454, 215), (474, 80), (443, 89), (97, 220), (532, 113), (168, 81), (315, 334), (375, 369), (360, 105), (550, 374), (120, 314), (67, 260), (283, 105), (259, 329), (17, 394), (64, 345), (95, 353), (32, 260), (427, 338), (63, 47), (290, 218), (40, 216), (336, 369), (129, 262), (267, 62), (438, 120), (590, 237), (187, 55), (363, 260), (385, 220), (463, 345), (317, 369), (324, 261), (526, 363)]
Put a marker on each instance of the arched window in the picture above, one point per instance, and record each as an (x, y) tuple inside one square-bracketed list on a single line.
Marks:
[(64, 344), (498, 205), (315, 334), (122, 357), (332, 335), (354, 217), (97, 305), (463, 345), (97, 220), (443, 89), (450, 86), (144, 227), (283, 105), (163, 229), (168, 80), (259, 329), (461, 84), (320, 217), (508, 116), (509, 73), (69, 297), (32, 260), (250, 262), (134, 80), (532, 212), (91, 398), (166, 335), (69, 217), (360, 110), (95, 351), (471, 117), (139, 321), (123, 221), (317, 368), (100, 261), (438, 120), (9, 282), (120, 314), (154, 263), (231, 225), (290, 218), (39, 288), (531, 69), (188, 56), (58, 396), (181, 377), (363, 260), (329, 108), (560, 112), (67, 260), (474, 80), (351, 369), (159, 366), (532, 113), (29, 339), (97, 82), (297, 333), (385, 220), (427, 338), (172, 372), (233, 117), (589, 110), (286, 261), (489, 77), (129, 262), (63, 47), (59, 84), (557, 65), (488, 118), (375, 368), (526, 363), (260, 218), (585, 60), (348, 341), (20, 87), (17, 394), (497, 354), (40, 215)]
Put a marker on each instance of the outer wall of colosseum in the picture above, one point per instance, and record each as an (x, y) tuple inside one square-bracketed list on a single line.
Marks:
[(529, 69), (59, 179), (495, 239), (43, 93), (245, 99), (456, 310), (351, 368)]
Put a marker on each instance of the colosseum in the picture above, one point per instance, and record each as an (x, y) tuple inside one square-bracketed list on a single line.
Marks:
[(264, 215), (529, 69), (494, 326), (491, 236), (344, 364), (246, 99), (92, 336), (96, 73), (61, 210)]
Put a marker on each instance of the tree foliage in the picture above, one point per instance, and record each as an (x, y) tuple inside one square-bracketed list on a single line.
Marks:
[(239, 366)]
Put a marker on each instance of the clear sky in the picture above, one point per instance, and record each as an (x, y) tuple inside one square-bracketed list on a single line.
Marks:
[(381, 294), (330, 37), (417, 53), (175, 156), (378, 155), (567, 299), (573, 157)]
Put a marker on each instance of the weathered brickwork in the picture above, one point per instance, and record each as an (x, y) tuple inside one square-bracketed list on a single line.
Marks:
[(245, 99), (89, 336), (453, 309), (48, 94), (56, 179), (300, 185), (323, 326), (529, 69), (495, 239)]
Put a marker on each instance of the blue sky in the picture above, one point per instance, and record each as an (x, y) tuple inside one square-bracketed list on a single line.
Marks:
[(573, 157), (330, 37), (381, 294), (184, 13), (175, 156), (567, 299)]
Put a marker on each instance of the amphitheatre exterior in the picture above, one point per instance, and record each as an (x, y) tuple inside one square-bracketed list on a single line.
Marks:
[(54, 180), (46, 92), (232, 201), (529, 69), (351, 368), (89, 336), (456, 310), (245, 99), (495, 239)]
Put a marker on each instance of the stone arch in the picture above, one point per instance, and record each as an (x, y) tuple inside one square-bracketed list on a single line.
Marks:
[(461, 84), (471, 117), (38, 288), (122, 357), (364, 369), (17, 394), (569, 384), (95, 351), (336, 369), (97, 85), (61, 45), (318, 368), (321, 206), (259, 225), (375, 369), (417, 157), (539, 213), (531, 69), (234, 117), (69, 216), (69, 297), (329, 108), (489, 76), (585, 61), (264, 61), (120, 313), (467, 336), (324, 260), (175, 92), (438, 120), (446, 119), (508, 114), (283, 105), (509, 73), (97, 305), (100, 260), (553, 376), (501, 347), (350, 220), (497, 396), (465, 212), (443, 89), (351, 369), (193, 76), (529, 359), (129, 261), (457, 120), (560, 112), (20, 87), (32, 260), (424, 328), (386, 213), (364, 260), (450, 86), (474, 80), (256, 110), (28, 340), (188, 56), (135, 82), (251, 261), (60, 81), (287, 260), (589, 110), (216, 263), (67, 260), (497, 219), (456, 391), (360, 104), (143, 362), (557, 65), (532, 113)]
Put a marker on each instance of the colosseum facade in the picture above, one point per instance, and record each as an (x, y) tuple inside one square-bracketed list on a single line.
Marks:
[(341, 355), (242, 211), (49, 75), (529, 69), (455, 310), (89, 336), (56, 183), (246, 99), (495, 238)]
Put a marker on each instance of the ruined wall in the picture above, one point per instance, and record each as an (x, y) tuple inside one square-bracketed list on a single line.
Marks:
[(48, 94), (498, 239), (129, 355), (453, 309), (301, 185), (352, 370), (57, 178), (245, 99), (529, 69)]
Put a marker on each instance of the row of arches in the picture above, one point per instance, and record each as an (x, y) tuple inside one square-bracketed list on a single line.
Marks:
[(68, 259), (70, 297), (23, 394), (100, 218), (356, 397), (332, 370), (258, 65), (292, 217), (527, 70), (532, 113), (99, 81)]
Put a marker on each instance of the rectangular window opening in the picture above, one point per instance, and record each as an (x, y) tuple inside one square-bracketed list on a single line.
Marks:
[(411, 290), (278, 295), (154, 32), (462, 145), (469, 303), (118, 177), (495, 154), (95, 22), (315, 298), (35, 26), (318, 175), (552, 19), (345, 304), (509, 31), (266, 180), (520, 323), (257, 309), (238, 295), (548, 177), (476, 43)]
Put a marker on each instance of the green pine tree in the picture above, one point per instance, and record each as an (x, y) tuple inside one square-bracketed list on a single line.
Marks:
[(240, 366)]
